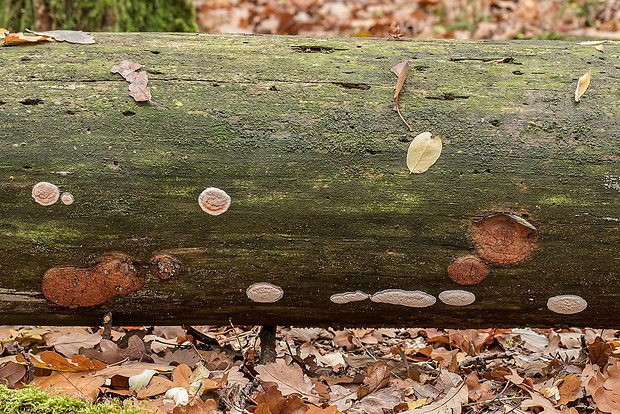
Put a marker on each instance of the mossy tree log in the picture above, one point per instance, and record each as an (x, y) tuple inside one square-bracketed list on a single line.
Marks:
[(301, 134)]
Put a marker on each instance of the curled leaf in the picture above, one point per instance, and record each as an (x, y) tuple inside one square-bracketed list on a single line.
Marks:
[(69, 36), (582, 86), (423, 152), (401, 71), (600, 48), (136, 382)]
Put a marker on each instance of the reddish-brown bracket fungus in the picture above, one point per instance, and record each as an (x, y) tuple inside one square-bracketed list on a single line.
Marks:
[(504, 239), (263, 292), (414, 299), (468, 270), (67, 198), (567, 304), (165, 267), (45, 193), (457, 297), (347, 297), (111, 275), (214, 201)]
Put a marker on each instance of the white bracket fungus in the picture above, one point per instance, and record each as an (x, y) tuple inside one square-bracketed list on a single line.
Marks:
[(346, 297), (263, 292), (414, 299), (45, 193), (567, 304), (214, 201), (457, 297)]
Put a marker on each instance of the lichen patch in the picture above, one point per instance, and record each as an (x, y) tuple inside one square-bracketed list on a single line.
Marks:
[(504, 239), (111, 275), (567, 304), (165, 267), (45, 193), (414, 299), (263, 292), (347, 297), (468, 270), (457, 297), (214, 201)]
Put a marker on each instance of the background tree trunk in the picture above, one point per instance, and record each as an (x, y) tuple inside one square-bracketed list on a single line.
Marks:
[(301, 134), (97, 15)]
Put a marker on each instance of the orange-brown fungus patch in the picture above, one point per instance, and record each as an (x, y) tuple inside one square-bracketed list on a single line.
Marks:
[(111, 275), (504, 239), (165, 267), (468, 270)]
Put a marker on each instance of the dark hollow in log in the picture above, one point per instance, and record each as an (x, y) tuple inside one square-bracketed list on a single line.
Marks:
[(300, 134)]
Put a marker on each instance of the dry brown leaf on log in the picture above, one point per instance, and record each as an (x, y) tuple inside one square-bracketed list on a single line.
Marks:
[(401, 70), (423, 152), (138, 89), (125, 68), (69, 36), (582, 86), (15, 39)]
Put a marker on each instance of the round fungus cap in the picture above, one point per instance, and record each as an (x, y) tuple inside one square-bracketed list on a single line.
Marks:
[(45, 193), (347, 297), (504, 239), (263, 292), (413, 299), (468, 270), (214, 201), (67, 198), (457, 297), (567, 304)]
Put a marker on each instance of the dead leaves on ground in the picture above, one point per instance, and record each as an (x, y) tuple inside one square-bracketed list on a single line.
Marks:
[(416, 371)]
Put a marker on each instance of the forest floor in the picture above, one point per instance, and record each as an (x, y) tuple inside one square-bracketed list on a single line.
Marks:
[(209, 369), (459, 19)]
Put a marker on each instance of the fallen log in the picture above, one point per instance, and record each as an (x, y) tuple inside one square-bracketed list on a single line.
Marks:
[(269, 185)]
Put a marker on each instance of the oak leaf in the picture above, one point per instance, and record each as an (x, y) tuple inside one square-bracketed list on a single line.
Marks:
[(289, 379), (377, 377), (450, 404), (71, 384), (11, 373)]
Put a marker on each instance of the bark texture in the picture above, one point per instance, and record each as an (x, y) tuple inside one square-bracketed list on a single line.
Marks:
[(301, 134)]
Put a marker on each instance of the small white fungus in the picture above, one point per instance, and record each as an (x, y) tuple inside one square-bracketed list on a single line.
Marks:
[(67, 198)]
